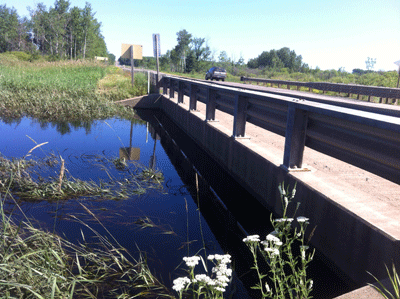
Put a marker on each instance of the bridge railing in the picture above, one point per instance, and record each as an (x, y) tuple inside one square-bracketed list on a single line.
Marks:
[(367, 140), (383, 93)]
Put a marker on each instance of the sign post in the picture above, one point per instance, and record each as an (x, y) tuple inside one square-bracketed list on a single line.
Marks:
[(131, 52), (157, 53), (132, 67)]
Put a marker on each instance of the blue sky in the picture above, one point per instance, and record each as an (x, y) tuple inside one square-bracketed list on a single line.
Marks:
[(328, 34)]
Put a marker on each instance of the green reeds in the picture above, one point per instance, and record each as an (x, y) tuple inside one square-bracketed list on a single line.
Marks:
[(37, 264), (64, 90), (23, 179), (394, 279)]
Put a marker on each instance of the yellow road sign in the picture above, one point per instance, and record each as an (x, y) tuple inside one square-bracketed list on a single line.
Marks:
[(126, 51)]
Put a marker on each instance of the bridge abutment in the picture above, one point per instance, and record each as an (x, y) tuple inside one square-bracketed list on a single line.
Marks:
[(344, 236)]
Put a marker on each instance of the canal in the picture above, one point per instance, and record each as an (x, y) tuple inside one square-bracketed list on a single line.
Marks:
[(199, 209)]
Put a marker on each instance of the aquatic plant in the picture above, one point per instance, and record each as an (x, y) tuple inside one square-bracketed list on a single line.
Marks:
[(288, 276), (39, 264), (24, 179)]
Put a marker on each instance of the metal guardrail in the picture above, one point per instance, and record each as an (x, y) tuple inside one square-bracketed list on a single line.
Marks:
[(367, 140), (349, 89)]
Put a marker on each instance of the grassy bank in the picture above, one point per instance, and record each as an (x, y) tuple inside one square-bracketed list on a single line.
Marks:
[(39, 264), (70, 90)]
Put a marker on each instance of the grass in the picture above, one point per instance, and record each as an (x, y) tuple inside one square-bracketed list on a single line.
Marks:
[(394, 279), (22, 178), (38, 264), (35, 263), (64, 90)]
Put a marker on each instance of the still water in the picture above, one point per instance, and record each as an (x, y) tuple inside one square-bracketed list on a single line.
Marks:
[(179, 229)]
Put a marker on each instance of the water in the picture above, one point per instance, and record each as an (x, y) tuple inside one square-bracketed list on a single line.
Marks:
[(158, 143)]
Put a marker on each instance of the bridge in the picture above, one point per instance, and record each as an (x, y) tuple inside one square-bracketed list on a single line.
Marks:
[(343, 155)]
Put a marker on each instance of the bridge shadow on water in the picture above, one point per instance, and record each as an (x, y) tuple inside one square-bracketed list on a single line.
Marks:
[(231, 211)]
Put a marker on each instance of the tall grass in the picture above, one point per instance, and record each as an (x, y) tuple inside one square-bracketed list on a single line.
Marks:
[(73, 91), (38, 264)]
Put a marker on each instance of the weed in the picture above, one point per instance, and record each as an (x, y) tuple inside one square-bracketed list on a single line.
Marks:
[(288, 272)]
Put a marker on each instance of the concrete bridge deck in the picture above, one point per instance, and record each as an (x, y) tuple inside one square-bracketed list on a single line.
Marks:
[(366, 202)]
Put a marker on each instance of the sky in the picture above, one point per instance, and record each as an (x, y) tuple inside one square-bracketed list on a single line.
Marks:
[(327, 34)]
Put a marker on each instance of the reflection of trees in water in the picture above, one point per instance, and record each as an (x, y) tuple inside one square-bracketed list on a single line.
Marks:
[(64, 126)]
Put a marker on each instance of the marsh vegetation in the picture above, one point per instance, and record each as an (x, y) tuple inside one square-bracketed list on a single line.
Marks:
[(73, 91)]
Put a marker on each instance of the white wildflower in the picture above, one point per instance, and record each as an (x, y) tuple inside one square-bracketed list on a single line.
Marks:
[(272, 251), (202, 278), (275, 240), (180, 283), (284, 220), (311, 284), (267, 288), (191, 261), (252, 238), (302, 219)]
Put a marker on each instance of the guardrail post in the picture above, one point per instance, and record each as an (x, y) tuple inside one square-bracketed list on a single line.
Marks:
[(181, 93), (171, 88), (211, 104), (240, 116), (193, 97), (295, 137), (164, 85)]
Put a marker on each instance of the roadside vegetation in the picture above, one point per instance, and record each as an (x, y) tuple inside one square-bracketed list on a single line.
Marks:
[(76, 91)]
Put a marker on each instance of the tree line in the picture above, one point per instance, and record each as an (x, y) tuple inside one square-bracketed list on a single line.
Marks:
[(192, 54), (59, 31)]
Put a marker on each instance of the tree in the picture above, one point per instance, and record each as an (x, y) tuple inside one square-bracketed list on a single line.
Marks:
[(277, 59), (64, 32), (181, 49), (198, 55), (9, 29), (223, 57)]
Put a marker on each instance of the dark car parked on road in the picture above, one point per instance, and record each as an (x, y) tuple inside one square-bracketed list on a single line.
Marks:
[(216, 73)]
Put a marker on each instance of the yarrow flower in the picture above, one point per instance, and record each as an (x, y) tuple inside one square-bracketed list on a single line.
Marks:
[(302, 219), (274, 239), (191, 261), (252, 238), (284, 220), (203, 278), (223, 259), (180, 283), (272, 251)]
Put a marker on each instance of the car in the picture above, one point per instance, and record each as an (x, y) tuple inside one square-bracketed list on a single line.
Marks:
[(216, 73)]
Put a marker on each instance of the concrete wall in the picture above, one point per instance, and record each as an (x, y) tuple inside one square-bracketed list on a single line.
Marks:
[(348, 241)]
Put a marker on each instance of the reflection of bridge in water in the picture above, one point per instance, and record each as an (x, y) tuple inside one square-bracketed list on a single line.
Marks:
[(348, 161)]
